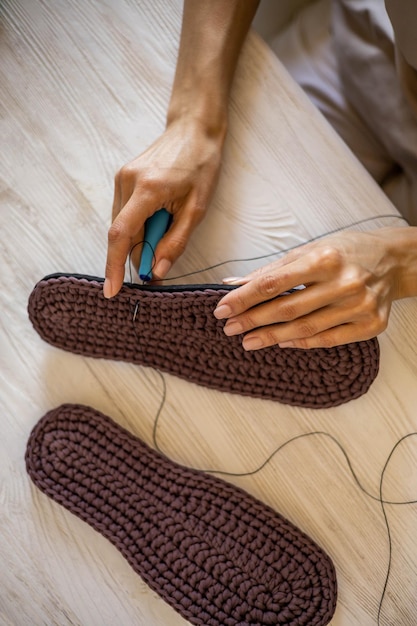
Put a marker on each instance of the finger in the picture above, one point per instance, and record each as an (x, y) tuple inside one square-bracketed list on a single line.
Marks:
[(337, 336), (120, 197), (291, 306), (125, 186), (316, 266), (283, 308), (124, 233), (313, 330), (266, 286), (174, 242)]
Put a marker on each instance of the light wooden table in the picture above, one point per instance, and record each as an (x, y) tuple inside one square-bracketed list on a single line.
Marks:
[(84, 88)]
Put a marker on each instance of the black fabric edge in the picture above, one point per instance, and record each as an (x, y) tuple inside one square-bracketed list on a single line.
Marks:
[(146, 287)]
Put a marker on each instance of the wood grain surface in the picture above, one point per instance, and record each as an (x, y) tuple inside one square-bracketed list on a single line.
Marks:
[(83, 89)]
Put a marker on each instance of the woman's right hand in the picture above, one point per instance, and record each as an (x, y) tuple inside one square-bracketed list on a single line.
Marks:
[(179, 172)]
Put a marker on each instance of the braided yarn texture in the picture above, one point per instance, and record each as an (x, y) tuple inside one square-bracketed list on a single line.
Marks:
[(216, 554), (176, 332)]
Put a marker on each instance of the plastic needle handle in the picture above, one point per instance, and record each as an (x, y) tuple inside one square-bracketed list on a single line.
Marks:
[(155, 228)]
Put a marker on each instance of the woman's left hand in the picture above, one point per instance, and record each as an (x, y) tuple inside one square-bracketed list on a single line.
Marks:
[(350, 279)]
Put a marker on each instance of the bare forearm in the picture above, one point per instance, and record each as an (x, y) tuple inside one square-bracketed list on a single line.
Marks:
[(212, 36), (179, 171)]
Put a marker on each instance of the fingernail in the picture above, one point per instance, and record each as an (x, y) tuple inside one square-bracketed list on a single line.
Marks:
[(222, 312), (232, 279), (232, 328), (252, 343), (162, 268), (286, 344), (107, 288)]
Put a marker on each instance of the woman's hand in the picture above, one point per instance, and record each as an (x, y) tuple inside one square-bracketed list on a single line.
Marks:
[(178, 172), (350, 280)]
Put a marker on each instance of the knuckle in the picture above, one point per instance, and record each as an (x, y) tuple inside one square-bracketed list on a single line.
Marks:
[(378, 324), (303, 344), (287, 311), (353, 283), (117, 232), (355, 288), (328, 341), (240, 302), (331, 258), (267, 285), (179, 239), (132, 176), (199, 204), (368, 308), (248, 322), (178, 243), (125, 173), (128, 171), (180, 248), (370, 304), (306, 329), (199, 212), (270, 336)]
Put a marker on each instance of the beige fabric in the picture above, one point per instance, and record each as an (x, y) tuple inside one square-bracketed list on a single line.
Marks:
[(403, 16), (357, 61)]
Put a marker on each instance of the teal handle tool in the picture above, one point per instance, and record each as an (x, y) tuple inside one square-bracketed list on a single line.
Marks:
[(155, 228)]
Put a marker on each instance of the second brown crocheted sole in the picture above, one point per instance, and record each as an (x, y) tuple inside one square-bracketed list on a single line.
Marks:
[(216, 554), (174, 329)]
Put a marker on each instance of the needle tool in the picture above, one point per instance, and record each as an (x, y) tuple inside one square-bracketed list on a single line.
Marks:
[(155, 228)]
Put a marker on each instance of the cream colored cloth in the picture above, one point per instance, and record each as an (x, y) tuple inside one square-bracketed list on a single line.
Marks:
[(357, 61)]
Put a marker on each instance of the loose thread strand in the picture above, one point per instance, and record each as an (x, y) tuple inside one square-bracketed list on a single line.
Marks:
[(373, 497), (269, 254)]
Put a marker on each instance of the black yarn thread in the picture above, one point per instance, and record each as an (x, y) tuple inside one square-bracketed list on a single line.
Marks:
[(220, 472), (313, 433), (264, 256)]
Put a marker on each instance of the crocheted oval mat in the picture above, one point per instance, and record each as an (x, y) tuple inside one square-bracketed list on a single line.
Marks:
[(174, 329), (213, 552)]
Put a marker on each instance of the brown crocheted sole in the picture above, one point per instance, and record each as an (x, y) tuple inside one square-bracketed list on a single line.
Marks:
[(174, 329), (213, 552)]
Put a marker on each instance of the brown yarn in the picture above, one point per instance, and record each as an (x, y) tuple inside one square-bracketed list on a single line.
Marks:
[(213, 552), (174, 329)]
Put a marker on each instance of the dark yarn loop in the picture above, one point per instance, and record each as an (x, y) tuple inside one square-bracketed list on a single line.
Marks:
[(212, 551), (180, 335)]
